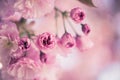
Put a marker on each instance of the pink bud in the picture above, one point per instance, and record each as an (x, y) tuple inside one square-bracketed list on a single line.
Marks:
[(47, 58), (43, 57), (85, 29), (46, 41), (83, 43), (67, 41), (77, 14)]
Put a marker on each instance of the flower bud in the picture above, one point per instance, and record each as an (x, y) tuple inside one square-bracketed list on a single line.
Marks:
[(83, 43), (85, 29), (43, 57), (67, 41)]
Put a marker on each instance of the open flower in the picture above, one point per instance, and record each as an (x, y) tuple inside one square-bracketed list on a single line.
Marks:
[(67, 40), (26, 49), (46, 41), (83, 43), (25, 69), (33, 8), (24, 43), (77, 14)]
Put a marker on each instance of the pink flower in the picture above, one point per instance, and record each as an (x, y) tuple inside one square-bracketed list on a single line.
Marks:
[(85, 29), (67, 41), (25, 69), (24, 43), (83, 43), (46, 41), (9, 30), (33, 8), (77, 14), (29, 50)]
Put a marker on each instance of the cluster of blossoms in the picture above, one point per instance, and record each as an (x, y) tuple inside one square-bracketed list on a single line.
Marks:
[(24, 57), (82, 42)]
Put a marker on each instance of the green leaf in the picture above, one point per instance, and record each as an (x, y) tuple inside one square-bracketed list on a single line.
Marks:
[(87, 2)]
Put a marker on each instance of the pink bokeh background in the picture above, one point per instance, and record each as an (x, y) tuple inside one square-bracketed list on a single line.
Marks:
[(102, 61)]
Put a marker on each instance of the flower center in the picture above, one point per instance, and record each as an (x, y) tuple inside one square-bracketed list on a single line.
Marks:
[(81, 14), (47, 41)]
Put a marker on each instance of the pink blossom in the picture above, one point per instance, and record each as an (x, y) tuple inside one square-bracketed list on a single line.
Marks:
[(46, 41), (67, 41), (83, 43), (28, 50), (24, 43), (25, 69), (85, 29), (9, 30), (33, 8), (77, 14)]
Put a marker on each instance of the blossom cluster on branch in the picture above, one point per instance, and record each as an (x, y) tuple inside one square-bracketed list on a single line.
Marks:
[(23, 54)]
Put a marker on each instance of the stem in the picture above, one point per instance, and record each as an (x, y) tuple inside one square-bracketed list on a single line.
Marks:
[(20, 25), (27, 32), (58, 10), (56, 26), (63, 18), (64, 14), (71, 26)]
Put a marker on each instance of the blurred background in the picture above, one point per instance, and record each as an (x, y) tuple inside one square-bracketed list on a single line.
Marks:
[(102, 61)]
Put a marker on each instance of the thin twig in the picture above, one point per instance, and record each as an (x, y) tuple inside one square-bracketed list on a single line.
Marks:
[(63, 19), (71, 26), (58, 10), (56, 26)]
